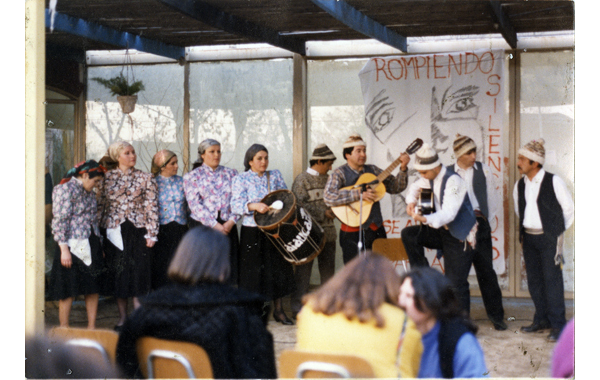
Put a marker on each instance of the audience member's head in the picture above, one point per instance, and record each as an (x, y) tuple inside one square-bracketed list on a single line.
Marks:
[(52, 359), (202, 256), (359, 289), (426, 293)]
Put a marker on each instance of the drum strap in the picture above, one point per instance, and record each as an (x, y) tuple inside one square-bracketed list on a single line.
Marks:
[(268, 181)]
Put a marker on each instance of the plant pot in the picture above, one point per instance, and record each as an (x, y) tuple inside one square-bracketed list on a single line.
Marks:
[(127, 102)]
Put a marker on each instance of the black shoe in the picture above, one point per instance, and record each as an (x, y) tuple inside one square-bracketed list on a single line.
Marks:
[(536, 326), (118, 328), (282, 318), (499, 324), (554, 334)]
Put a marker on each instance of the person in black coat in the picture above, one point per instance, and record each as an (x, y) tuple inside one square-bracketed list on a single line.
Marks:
[(199, 307)]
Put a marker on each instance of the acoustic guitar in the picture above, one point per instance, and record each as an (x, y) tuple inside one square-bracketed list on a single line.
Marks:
[(349, 214)]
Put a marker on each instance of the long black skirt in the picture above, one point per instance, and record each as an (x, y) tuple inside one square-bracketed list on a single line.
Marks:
[(234, 248), (262, 268), (80, 279), (129, 270), (169, 236)]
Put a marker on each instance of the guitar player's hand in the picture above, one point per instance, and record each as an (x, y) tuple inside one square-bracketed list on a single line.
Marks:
[(410, 209), (404, 160), (369, 195)]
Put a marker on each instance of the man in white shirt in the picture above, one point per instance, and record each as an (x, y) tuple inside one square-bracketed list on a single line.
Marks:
[(451, 228), (545, 209), (482, 194)]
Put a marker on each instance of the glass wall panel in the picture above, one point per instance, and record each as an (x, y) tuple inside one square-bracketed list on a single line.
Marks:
[(242, 103), (156, 123), (335, 111), (547, 111)]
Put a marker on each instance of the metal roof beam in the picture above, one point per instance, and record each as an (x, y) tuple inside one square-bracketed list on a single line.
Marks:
[(506, 27), (355, 19), (97, 32), (216, 18)]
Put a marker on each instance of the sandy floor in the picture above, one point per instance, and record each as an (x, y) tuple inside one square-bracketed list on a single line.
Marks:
[(508, 353)]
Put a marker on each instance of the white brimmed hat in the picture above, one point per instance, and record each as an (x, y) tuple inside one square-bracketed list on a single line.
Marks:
[(426, 158)]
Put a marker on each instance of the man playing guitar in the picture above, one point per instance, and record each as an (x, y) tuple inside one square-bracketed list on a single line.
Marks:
[(339, 191)]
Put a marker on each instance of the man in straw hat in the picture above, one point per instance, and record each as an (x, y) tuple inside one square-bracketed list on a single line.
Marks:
[(450, 229), (545, 209), (483, 197), (355, 154), (308, 188)]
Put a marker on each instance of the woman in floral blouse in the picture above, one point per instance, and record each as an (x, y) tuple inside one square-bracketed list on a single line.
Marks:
[(208, 193), (262, 268), (128, 208), (172, 214), (78, 264)]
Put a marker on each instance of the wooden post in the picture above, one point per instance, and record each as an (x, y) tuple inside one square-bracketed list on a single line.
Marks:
[(299, 114), (35, 113)]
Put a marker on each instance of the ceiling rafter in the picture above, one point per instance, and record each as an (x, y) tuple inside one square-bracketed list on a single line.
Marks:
[(505, 26), (101, 33), (358, 21), (216, 18)]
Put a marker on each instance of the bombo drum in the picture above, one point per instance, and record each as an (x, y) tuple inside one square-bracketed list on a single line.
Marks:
[(291, 228)]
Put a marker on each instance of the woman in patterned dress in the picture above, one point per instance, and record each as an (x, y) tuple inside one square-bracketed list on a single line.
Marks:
[(128, 209), (172, 214), (78, 264), (208, 193), (262, 268)]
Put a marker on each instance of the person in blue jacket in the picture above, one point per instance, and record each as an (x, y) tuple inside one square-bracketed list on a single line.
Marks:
[(450, 348)]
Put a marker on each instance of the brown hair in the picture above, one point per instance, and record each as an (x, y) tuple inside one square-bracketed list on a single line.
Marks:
[(359, 289), (202, 256)]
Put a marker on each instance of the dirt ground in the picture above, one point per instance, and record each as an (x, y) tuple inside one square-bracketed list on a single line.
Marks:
[(508, 354)]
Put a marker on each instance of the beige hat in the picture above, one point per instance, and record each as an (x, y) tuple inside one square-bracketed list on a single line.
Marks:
[(426, 158), (322, 152), (354, 140), (462, 145), (534, 150)]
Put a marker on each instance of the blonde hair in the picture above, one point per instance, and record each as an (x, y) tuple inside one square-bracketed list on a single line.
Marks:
[(115, 149), (160, 160)]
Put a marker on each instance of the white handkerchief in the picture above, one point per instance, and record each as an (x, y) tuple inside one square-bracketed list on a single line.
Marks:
[(81, 248), (115, 237)]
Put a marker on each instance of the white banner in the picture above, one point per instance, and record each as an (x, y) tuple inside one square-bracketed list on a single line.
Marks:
[(434, 97)]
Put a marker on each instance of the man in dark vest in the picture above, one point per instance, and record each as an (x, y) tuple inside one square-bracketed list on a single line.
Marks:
[(355, 153), (483, 198), (451, 229), (545, 209)]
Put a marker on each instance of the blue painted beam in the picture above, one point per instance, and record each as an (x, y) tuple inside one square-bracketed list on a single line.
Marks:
[(97, 32), (350, 16), (506, 27), (229, 23)]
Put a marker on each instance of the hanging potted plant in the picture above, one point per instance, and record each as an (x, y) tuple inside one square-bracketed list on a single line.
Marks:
[(125, 92)]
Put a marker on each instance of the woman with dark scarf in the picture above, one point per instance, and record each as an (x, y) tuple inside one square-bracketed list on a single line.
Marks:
[(172, 214), (78, 263), (199, 307)]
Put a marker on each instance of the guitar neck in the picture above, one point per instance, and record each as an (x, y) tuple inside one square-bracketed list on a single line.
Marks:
[(384, 174)]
